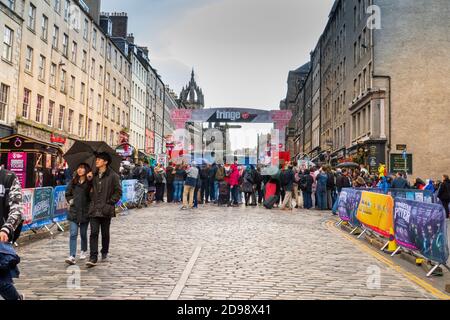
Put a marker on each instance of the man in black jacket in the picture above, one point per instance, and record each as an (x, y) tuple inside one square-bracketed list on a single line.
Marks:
[(399, 182), (105, 193), (213, 184), (287, 181), (205, 184), (343, 181), (444, 194)]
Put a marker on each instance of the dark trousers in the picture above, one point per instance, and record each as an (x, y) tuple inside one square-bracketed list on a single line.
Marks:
[(234, 194), (212, 191), (205, 190), (307, 200), (247, 198), (445, 203), (159, 196), (170, 192), (96, 224), (260, 195), (7, 290)]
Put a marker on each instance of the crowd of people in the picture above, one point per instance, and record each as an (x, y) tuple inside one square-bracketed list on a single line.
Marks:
[(92, 195)]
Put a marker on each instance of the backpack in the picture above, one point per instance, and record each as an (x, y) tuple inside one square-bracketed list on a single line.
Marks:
[(137, 172), (220, 174)]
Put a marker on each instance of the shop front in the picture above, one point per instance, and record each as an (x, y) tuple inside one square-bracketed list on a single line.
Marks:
[(34, 162), (370, 154)]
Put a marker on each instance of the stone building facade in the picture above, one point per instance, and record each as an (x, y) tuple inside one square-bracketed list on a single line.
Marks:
[(384, 69)]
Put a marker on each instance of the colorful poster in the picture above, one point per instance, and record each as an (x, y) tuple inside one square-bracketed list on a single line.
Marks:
[(128, 190), (42, 207), (27, 198), (60, 204), (349, 200), (422, 227), (17, 163), (375, 211)]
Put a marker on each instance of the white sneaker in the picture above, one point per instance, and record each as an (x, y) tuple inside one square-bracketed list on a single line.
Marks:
[(71, 261), (83, 255)]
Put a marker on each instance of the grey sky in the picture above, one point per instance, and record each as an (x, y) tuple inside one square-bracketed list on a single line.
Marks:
[(241, 50)]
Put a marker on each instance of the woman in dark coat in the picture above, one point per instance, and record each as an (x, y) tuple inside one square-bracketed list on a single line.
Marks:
[(444, 194), (77, 195)]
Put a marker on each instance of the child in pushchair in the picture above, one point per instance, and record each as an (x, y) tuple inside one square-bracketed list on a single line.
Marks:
[(139, 198)]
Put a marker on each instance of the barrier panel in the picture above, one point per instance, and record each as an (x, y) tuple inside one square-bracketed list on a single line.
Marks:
[(411, 194), (41, 208), (60, 205), (375, 211), (27, 199), (348, 204), (422, 227), (128, 191)]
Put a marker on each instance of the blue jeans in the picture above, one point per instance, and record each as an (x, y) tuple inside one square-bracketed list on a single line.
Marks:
[(216, 190), (178, 190), (307, 200), (322, 202), (74, 237), (213, 190), (7, 290), (235, 194)]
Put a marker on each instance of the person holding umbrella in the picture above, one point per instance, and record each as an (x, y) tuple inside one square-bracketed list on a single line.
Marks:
[(77, 195), (105, 193)]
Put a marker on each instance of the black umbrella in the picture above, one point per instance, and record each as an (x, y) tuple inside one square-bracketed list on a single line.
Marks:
[(87, 151), (348, 165)]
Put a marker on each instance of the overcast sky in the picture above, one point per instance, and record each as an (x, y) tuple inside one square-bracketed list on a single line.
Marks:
[(241, 50)]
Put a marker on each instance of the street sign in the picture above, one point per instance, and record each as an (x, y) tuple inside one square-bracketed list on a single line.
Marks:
[(404, 155), (401, 147)]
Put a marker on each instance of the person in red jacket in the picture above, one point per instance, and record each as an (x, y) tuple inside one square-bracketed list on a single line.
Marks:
[(234, 183)]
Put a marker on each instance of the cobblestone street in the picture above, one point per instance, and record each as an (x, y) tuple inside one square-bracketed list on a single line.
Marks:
[(215, 253)]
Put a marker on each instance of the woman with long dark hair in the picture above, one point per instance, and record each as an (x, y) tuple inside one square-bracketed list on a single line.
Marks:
[(77, 195)]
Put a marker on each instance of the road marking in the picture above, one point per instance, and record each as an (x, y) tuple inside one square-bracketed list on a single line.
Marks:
[(176, 292), (415, 279)]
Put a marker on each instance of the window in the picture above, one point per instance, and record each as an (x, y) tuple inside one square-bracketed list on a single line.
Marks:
[(123, 119), (44, 28), (120, 91), (89, 133), (57, 6), (65, 45), (55, 37), (29, 60), (70, 121), (83, 92), (61, 117), (81, 125), (100, 75), (85, 29), (108, 52), (105, 134), (113, 112), (67, 10), (40, 100), (114, 86), (108, 81), (53, 75), (91, 98), (99, 104), (8, 37), (32, 17), (355, 53), (115, 59), (106, 109), (94, 39), (93, 68), (365, 80), (72, 87), (11, 4), (42, 63), (26, 103), (102, 46), (118, 115), (355, 90), (111, 138), (84, 61), (121, 64), (74, 52), (97, 131), (4, 94), (63, 81), (51, 110)]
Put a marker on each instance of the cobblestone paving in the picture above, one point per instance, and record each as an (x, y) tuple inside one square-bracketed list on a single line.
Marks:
[(246, 253)]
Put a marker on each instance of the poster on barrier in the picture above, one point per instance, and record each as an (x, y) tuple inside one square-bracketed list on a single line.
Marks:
[(27, 198), (60, 204), (375, 211), (42, 207), (128, 190), (348, 204), (422, 227)]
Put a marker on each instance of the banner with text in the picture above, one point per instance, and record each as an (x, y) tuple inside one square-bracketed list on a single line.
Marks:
[(42, 207), (60, 204), (422, 227), (128, 191), (375, 211)]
